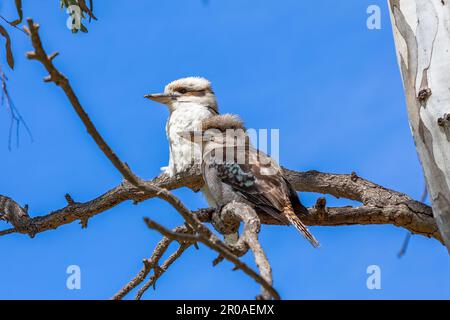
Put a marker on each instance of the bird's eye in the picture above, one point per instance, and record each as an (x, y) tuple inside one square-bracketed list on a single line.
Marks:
[(182, 90)]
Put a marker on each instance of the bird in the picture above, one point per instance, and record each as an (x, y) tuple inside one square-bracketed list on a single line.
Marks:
[(189, 100), (233, 170)]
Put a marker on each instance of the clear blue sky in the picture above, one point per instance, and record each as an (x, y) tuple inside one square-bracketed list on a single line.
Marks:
[(311, 69)]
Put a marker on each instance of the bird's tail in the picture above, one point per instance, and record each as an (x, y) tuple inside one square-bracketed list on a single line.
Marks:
[(295, 221)]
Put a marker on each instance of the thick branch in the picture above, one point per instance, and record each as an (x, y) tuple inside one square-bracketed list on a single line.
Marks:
[(249, 236), (418, 222), (349, 186), (83, 211), (384, 206)]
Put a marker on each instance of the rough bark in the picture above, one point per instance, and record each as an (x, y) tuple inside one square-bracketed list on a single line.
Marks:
[(380, 205), (236, 212), (422, 37)]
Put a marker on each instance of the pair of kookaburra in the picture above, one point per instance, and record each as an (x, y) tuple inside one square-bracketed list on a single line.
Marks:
[(232, 169)]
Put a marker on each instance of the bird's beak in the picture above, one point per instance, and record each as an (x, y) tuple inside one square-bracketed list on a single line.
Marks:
[(161, 97), (193, 136)]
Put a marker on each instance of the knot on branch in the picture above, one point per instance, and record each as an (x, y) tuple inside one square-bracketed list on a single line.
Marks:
[(321, 208), (69, 199), (84, 218)]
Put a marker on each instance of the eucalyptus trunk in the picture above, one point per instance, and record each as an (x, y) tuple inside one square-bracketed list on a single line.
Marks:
[(422, 38)]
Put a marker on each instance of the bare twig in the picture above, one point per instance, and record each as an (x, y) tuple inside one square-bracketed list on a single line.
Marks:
[(9, 55), (16, 119), (219, 247), (11, 24), (407, 240), (60, 80), (151, 263), (163, 268), (405, 244), (18, 4)]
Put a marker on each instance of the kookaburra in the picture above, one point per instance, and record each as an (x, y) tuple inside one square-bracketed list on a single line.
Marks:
[(233, 170), (189, 100)]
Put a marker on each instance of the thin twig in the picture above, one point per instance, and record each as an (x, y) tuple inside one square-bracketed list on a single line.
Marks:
[(162, 269), (407, 240), (405, 244), (60, 80), (16, 119), (11, 24), (219, 247), (149, 264)]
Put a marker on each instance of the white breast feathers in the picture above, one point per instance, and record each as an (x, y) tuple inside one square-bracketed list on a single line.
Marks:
[(183, 153)]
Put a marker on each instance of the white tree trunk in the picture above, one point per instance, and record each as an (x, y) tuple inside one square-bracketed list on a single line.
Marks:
[(422, 38)]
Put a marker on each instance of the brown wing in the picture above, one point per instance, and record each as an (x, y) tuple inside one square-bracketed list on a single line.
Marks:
[(259, 180)]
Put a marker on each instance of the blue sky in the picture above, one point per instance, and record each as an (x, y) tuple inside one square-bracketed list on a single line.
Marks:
[(311, 69)]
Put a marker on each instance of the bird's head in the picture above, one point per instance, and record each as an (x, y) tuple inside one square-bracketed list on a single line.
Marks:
[(191, 91), (219, 130)]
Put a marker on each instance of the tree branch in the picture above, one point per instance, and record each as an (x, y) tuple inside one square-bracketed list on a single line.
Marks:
[(249, 238), (384, 206), (171, 259), (216, 245), (152, 263), (203, 233), (60, 80)]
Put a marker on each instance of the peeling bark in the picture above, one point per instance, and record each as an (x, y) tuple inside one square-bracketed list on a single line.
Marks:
[(422, 38)]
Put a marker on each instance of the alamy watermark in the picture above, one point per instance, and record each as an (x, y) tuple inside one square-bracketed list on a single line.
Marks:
[(73, 281), (373, 22), (238, 146), (74, 20), (374, 280)]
